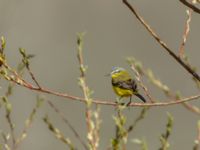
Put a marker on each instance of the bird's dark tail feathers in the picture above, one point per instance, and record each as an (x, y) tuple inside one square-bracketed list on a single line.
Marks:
[(141, 97)]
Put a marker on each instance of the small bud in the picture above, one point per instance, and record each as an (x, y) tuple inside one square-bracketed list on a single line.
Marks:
[(3, 44)]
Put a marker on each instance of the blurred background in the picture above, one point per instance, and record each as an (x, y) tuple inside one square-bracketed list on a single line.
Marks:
[(48, 29)]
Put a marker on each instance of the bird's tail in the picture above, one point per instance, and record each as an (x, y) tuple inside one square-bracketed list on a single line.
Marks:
[(141, 97)]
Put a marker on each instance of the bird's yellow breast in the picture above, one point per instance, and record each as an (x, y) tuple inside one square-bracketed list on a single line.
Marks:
[(123, 92)]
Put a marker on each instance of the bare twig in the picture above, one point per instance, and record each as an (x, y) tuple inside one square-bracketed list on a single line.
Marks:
[(186, 33), (161, 42), (194, 8)]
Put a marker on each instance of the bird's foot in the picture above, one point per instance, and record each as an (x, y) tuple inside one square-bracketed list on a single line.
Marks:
[(118, 103), (128, 104)]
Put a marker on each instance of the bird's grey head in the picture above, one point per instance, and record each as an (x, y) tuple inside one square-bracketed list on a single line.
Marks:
[(116, 70)]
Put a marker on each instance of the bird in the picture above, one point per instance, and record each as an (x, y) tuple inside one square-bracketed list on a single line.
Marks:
[(123, 85)]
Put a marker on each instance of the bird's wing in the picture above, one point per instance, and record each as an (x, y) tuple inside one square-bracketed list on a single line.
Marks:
[(128, 84)]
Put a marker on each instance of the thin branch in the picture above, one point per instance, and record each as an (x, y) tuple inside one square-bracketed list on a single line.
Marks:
[(192, 108), (197, 141), (67, 123), (6, 138), (8, 108), (121, 134), (186, 33), (138, 77), (168, 92), (161, 42), (165, 136), (92, 133), (28, 123), (139, 118), (25, 60), (32, 76), (194, 8), (58, 134), (111, 102)]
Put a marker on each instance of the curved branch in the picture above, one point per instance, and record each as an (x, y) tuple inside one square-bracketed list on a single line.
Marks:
[(109, 102)]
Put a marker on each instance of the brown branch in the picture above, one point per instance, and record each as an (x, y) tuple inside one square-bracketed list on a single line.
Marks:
[(161, 42), (32, 76), (21, 82), (109, 102), (186, 33), (194, 8)]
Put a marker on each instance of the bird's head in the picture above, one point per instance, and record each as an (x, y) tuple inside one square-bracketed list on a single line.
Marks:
[(116, 71)]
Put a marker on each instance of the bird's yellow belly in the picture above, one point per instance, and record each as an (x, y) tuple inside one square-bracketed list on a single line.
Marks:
[(122, 92)]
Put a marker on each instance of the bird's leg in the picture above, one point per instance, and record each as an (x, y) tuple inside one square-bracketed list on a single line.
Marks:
[(118, 101), (129, 101)]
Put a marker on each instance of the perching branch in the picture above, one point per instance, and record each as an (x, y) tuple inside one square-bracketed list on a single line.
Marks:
[(103, 102)]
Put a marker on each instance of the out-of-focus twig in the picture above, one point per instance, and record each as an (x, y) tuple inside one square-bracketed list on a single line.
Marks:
[(169, 93), (93, 126), (121, 134), (139, 118), (67, 123), (142, 143), (161, 42), (6, 138), (8, 108), (165, 136), (197, 141), (155, 81), (28, 122), (138, 77), (58, 134)]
